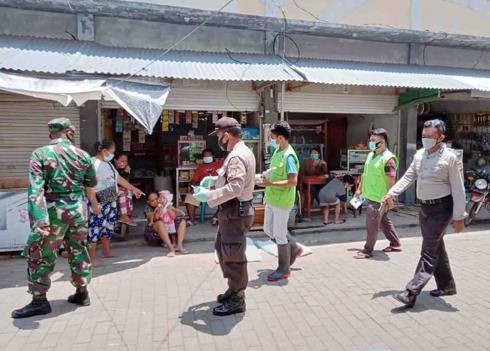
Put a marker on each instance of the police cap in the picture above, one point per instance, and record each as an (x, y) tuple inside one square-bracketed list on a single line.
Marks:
[(226, 123)]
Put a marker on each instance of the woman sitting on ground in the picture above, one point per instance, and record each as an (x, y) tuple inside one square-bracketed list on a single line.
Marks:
[(163, 221)]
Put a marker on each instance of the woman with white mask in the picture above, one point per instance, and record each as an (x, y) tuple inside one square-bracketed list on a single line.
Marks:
[(103, 214)]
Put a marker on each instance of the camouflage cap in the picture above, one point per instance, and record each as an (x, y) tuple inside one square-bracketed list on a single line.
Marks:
[(60, 124)]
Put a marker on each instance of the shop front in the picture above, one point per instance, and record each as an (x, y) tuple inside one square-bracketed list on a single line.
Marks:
[(168, 158)]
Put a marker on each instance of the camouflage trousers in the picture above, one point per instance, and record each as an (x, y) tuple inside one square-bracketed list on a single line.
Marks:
[(68, 225)]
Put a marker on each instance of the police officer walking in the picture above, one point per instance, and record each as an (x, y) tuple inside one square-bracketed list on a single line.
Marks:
[(60, 176), (440, 190), (233, 195)]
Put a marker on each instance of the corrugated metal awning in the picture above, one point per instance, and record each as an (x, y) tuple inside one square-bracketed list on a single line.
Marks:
[(63, 56)]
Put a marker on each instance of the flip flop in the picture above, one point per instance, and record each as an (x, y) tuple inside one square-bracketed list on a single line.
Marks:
[(341, 222), (361, 255), (110, 255), (392, 249), (327, 223), (182, 252), (171, 254)]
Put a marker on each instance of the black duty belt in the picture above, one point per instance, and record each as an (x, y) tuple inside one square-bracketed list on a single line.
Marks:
[(436, 201), (235, 202)]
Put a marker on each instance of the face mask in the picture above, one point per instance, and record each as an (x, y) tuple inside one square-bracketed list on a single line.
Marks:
[(373, 145), (429, 143), (272, 143), (315, 157), (207, 159), (108, 157), (222, 145)]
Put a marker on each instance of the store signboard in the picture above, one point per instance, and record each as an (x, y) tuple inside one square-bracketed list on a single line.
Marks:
[(14, 219)]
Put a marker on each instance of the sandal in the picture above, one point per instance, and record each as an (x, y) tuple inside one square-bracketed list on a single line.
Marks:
[(326, 223), (392, 249), (182, 252), (171, 254), (361, 255), (341, 222)]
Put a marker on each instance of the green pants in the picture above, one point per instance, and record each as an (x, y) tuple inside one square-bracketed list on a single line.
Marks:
[(68, 225)]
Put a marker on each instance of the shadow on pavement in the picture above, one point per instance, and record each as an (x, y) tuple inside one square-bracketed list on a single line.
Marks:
[(262, 280), (425, 302), (58, 307), (201, 318)]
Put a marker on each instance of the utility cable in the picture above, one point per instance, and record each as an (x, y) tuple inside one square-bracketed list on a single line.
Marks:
[(171, 47)]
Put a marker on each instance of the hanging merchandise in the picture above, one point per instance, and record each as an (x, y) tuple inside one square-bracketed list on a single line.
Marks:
[(127, 139), (171, 117), (195, 119), (165, 121), (119, 121), (188, 117), (243, 118), (215, 116), (141, 136)]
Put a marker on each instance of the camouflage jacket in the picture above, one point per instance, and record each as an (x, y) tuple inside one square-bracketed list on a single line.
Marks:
[(58, 172)]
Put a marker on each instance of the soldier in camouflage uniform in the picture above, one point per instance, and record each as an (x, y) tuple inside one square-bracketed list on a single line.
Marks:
[(60, 178)]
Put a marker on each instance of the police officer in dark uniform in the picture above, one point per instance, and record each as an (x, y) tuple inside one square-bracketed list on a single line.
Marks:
[(233, 196)]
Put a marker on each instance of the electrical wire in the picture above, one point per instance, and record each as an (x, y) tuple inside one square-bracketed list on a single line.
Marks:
[(309, 12), (171, 47)]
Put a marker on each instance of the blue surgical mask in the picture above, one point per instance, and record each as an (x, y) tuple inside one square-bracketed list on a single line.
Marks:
[(272, 143), (429, 143), (108, 157), (208, 159), (315, 157), (372, 145)]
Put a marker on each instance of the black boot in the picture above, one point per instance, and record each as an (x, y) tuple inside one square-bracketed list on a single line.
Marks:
[(234, 304), (80, 297), (38, 306), (223, 297), (406, 298), (296, 250), (284, 258), (443, 292)]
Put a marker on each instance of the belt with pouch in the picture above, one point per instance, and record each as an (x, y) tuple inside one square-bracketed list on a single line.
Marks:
[(243, 207), (436, 201)]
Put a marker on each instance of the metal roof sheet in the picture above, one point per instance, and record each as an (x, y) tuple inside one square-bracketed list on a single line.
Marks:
[(63, 56)]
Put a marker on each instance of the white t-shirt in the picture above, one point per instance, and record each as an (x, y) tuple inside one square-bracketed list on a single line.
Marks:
[(105, 173)]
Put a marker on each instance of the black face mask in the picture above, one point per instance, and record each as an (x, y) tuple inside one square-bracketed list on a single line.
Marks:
[(223, 146)]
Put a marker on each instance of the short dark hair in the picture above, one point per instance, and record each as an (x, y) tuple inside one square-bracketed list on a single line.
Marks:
[(382, 133), (207, 150), (317, 149), (347, 178), (118, 155), (282, 128), (104, 144), (436, 123)]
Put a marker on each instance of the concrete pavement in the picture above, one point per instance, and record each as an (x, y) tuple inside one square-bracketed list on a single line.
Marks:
[(144, 301)]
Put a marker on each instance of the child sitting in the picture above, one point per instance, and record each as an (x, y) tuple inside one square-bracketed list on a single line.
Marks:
[(162, 221)]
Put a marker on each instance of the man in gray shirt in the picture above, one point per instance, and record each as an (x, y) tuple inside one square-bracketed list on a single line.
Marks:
[(440, 190)]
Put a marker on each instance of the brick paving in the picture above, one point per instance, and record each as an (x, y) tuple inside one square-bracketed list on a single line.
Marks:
[(144, 301)]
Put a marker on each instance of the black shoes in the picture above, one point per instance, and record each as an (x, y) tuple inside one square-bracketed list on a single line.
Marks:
[(443, 292), (223, 297), (406, 298), (37, 307), (234, 304), (80, 297)]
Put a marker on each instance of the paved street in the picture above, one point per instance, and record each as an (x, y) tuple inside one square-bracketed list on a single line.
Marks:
[(143, 301)]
